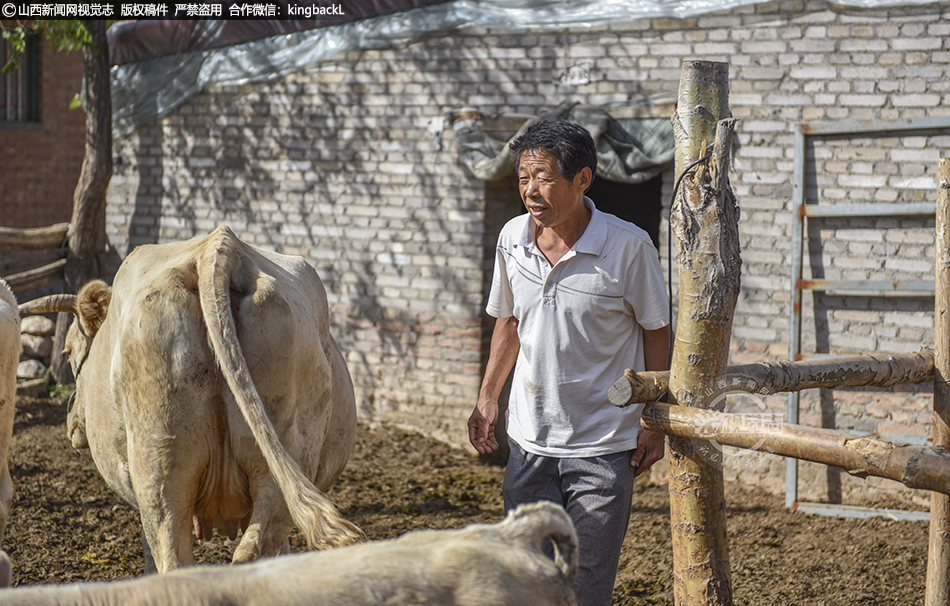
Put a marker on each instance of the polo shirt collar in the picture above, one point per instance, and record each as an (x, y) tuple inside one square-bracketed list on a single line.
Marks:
[(591, 241)]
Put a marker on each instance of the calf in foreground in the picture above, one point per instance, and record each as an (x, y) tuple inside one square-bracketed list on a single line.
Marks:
[(212, 395), (480, 565), (9, 358)]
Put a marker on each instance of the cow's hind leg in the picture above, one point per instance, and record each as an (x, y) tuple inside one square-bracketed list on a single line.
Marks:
[(166, 463), (165, 508), (270, 524), (166, 385), (150, 567)]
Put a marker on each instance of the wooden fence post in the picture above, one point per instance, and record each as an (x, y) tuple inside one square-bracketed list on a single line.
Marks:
[(938, 554), (704, 220)]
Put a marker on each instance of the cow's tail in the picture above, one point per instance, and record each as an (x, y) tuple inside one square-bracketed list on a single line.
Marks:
[(311, 510), (530, 524)]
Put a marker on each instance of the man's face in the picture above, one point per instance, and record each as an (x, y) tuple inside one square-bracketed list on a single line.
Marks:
[(549, 197)]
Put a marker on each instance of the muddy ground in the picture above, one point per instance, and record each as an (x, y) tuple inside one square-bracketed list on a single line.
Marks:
[(68, 526)]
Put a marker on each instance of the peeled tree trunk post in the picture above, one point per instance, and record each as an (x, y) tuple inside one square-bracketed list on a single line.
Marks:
[(938, 555), (704, 220)]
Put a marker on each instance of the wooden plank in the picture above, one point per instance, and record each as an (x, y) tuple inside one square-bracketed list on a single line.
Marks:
[(33, 238), (38, 277)]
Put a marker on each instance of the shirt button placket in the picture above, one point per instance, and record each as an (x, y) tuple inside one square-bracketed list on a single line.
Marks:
[(550, 289)]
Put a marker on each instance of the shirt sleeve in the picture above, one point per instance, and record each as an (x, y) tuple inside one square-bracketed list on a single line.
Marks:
[(647, 289), (500, 299)]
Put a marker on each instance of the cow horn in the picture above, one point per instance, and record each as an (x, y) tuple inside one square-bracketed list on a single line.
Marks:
[(49, 304)]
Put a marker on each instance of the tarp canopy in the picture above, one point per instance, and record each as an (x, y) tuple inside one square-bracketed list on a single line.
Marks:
[(152, 84), (131, 41), (628, 151)]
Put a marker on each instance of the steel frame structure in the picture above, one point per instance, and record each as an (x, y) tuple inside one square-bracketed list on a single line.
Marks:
[(802, 211)]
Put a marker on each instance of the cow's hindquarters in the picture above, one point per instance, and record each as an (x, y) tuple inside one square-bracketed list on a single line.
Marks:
[(312, 511), (175, 423)]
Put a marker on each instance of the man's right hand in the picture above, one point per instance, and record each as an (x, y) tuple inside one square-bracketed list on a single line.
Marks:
[(481, 427), (501, 359)]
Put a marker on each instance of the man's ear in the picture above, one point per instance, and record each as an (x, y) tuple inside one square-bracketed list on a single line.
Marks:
[(584, 178)]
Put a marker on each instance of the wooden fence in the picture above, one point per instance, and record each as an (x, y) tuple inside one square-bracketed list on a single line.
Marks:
[(40, 258)]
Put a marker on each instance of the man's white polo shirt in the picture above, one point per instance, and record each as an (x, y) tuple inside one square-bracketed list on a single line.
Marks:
[(579, 323)]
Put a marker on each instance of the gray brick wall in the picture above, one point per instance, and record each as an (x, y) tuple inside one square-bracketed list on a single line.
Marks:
[(337, 164)]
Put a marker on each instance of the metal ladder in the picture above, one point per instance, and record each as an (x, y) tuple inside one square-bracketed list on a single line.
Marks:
[(801, 212)]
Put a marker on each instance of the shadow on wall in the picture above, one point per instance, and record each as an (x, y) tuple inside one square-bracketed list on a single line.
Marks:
[(303, 168), (151, 169)]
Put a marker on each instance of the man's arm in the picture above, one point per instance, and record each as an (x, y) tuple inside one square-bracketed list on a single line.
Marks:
[(651, 445), (502, 356), (656, 348)]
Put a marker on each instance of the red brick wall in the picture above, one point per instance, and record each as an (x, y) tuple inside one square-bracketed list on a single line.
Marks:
[(40, 163)]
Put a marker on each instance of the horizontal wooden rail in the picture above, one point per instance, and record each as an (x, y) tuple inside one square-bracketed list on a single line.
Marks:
[(33, 238), (914, 466), (34, 278), (878, 370)]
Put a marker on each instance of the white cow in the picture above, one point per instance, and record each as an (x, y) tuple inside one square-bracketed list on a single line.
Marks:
[(212, 395), (9, 358), (480, 565)]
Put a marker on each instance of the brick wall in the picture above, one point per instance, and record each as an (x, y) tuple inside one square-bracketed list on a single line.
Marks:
[(337, 164), (40, 162)]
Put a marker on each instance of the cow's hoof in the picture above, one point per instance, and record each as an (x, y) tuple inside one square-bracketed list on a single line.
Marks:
[(78, 438), (249, 549), (243, 556)]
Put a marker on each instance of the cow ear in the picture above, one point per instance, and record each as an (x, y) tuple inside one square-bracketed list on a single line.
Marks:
[(92, 306)]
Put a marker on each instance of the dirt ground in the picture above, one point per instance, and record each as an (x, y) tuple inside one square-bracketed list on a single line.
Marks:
[(68, 526)]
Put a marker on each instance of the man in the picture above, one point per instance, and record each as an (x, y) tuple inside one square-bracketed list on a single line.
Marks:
[(578, 296)]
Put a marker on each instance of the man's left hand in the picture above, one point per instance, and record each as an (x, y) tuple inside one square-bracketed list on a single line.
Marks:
[(651, 446)]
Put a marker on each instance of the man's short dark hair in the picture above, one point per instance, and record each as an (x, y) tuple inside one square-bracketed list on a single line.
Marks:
[(570, 144)]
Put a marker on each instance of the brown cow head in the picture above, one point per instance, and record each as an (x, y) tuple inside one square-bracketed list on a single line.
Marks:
[(91, 306)]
